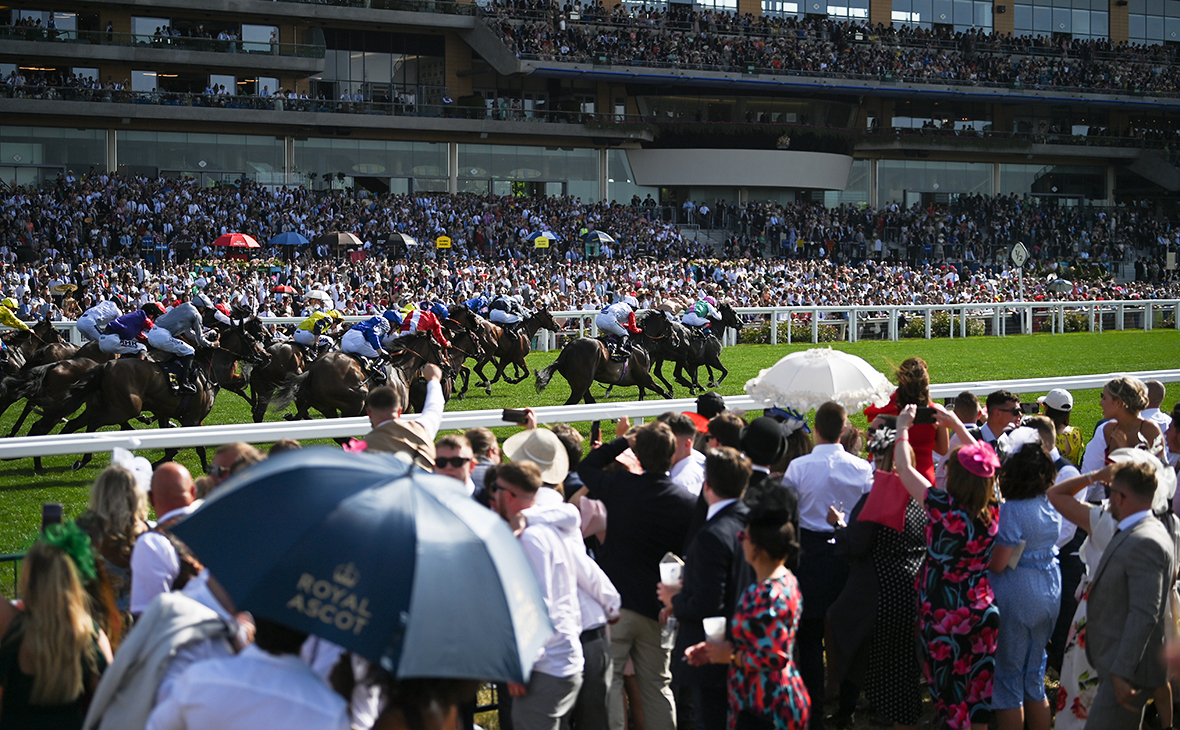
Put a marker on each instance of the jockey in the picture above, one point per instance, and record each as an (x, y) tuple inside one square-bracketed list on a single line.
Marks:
[(422, 320), (478, 304), (701, 313), (123, 334), (183, 319), (506, 310), (364, 338), (312, 332), (94, 321), (8, 318), (618, 319)]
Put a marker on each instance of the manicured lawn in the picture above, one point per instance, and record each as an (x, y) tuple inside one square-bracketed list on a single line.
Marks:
[(950, 361)]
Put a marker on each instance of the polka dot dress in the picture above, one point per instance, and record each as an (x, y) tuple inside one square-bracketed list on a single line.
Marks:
[(891, 683)]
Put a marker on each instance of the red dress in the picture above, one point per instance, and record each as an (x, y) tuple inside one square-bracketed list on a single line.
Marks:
[(922, 437)]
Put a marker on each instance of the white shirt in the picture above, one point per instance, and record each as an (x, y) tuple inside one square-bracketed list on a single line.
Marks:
[(553, 564), (1131, 520), (689, 472), (717, 507), (251, 691), (1069, 471), (827, 476), (154, 564)]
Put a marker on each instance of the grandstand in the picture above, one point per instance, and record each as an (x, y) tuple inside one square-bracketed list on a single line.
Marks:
[(873, 102)]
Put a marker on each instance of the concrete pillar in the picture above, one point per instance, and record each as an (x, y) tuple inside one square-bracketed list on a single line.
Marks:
[(288, 160), (873, 202), (1120, 19), (452, 167), (603, 174), (1110, 181), (1003, 18), (995, 178), (112, 151)]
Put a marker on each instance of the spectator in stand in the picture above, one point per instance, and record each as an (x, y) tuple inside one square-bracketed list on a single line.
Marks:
[(649, 516)]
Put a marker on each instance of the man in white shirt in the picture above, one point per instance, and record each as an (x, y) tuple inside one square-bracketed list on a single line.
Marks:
[(266, 686), (688, 464), (155, 564), (557, 676), (1156, 392), (828, 476)]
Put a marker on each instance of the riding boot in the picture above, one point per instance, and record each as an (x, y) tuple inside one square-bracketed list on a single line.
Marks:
[(188, 374)]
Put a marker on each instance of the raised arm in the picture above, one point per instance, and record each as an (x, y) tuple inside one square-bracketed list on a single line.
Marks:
[(1061, 495), (913, 480)]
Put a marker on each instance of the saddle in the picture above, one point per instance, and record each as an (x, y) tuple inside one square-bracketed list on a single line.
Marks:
[(373, 370), (615, 349)]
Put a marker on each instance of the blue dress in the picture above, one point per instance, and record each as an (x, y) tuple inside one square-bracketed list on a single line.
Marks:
[(1028, 597)]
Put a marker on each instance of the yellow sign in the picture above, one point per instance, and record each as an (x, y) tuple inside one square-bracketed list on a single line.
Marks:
[(541, 242), (442, 242)]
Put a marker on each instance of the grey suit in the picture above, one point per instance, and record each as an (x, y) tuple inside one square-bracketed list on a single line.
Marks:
[(1125, 619)]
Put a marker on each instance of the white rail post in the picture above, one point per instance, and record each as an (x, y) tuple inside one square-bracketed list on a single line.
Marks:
[(852, 324), (814, 325), (963, 326), (1120, 317), (927, 323), (1148, 313), (774, 327)]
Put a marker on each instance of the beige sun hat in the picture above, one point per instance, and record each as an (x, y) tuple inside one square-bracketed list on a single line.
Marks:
[(542, 447)]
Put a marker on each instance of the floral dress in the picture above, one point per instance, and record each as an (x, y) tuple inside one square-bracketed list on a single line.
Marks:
[(956, 610), (766, 683)]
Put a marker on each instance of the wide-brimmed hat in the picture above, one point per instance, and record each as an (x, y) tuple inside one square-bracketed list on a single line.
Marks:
[(542, 447), (763, 441)]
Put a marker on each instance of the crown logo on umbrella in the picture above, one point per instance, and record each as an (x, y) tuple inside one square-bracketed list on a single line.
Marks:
[(346, 575)]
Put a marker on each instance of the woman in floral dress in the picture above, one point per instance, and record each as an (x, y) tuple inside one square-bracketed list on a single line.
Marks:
[(765, 689), (956, 608)]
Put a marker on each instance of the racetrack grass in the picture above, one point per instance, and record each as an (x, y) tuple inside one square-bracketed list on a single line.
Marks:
[(978, 358)]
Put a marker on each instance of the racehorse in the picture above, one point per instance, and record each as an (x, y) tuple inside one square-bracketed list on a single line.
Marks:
[(586, 360), (287, 359), (23, 343), (44, 387), (706, 350), (335, 385), (239, 350), (511, 345), (424, 346), (118, 391)]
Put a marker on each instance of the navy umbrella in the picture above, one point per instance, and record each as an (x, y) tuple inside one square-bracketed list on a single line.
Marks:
[(597, 237), (532, 237), (290, 238), (379, 557)]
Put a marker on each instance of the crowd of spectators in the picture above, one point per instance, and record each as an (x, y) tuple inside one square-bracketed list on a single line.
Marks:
[(723, 41), (99, 234), (698, 569)]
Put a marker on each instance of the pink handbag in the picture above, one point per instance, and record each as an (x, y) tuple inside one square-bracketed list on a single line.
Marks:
[(887, 501)]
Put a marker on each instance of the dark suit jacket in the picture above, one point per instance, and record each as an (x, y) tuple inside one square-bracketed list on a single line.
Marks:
[(709, 590), (646, 516), (761, 484), (1125, 612)]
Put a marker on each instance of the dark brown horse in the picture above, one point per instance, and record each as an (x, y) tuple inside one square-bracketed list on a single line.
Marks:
[(287, 359), (22, 344), (512, 345), (335, 385), (118, 391), (586, 360), (44, 388)]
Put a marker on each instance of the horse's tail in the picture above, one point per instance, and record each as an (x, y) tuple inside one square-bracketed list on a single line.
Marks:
[(545, 374), (90, 382), (26, 383), (285, 395)]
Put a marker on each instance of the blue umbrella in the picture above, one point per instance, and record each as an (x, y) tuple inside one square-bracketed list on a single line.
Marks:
[(378, 557), (547, 234), (597, 237), (290, 238)]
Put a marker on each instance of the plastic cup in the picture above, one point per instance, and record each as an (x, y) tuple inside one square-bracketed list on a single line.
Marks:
[(670, 573), (714, 628)]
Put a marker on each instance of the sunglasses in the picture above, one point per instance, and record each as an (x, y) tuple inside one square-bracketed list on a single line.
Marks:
[(455, 461), (498, 487), (1008, 410), (214, 470)]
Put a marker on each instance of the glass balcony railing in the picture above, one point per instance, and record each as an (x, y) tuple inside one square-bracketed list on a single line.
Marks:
[(160, 41)]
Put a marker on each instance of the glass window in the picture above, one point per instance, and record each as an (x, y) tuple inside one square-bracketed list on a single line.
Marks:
[(230, 83), (1081, 23), (77, 149), (1022, 19), (143, 80), (1042, 20), (148, 26), (1061, 20), (780, 8), (260, 157), (256, 38), (899, 180), (1137, 28), (620, 182)]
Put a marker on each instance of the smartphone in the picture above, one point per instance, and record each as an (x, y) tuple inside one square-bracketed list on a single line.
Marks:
[(1030, 408), (925, 414), (515, 415), (595, 431), (948, 402), (51, 513)]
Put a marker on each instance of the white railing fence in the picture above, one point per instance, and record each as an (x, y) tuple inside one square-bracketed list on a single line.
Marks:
[(187, 437)]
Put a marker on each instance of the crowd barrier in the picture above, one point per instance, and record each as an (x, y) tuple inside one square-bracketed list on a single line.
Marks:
[(325, 428)]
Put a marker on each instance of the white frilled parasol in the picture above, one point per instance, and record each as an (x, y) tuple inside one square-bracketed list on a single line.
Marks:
[(805, 380)]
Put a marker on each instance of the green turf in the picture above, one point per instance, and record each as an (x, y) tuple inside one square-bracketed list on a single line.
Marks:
[(950, 361)]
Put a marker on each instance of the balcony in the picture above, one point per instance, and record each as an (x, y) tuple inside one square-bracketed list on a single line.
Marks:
[(88, 48), (82, 106)]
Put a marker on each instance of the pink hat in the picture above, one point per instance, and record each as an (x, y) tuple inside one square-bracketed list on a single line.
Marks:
[(979, 459)]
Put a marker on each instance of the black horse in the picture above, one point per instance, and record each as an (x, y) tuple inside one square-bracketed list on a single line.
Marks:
[(586, 360)]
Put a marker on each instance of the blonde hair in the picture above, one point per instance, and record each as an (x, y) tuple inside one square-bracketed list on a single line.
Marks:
[(1130, 391), (122, 508), (58, 629)]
